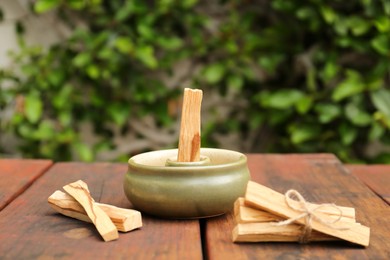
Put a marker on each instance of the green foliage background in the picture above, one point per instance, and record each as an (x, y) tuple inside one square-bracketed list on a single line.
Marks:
[(312, 76)]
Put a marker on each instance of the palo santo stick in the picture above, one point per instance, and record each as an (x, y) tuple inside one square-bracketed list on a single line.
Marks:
[(189, 140), (255, 225), (124, 219), (268, 232), (250, 215), (347, 212), (246, 214), (269, 200), (79, 191)]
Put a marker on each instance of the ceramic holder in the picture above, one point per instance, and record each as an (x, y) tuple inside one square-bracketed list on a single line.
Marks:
[(158, 185)]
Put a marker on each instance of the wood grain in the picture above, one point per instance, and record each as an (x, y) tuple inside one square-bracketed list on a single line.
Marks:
[(104, 225), (377, 177), (31, 229), (267, 199), (246, 214), (268, 232), (124, 219), (189, 139), (17, 175), (320, 178)]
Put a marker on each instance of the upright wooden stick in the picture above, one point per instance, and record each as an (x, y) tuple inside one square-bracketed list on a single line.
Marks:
[(189, 141)]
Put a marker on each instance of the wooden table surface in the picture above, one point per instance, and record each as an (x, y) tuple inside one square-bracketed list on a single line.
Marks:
[(30, 229)]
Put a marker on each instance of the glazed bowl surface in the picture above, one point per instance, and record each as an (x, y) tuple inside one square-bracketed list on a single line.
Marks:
[(157, 185)]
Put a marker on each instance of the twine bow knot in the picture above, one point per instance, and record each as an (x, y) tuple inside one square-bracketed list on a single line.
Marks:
[(309, 213)]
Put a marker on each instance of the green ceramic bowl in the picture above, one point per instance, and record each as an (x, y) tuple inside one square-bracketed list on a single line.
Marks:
[(157, 185)]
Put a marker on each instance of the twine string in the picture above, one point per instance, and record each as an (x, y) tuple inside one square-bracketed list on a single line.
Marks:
[(308, 214)]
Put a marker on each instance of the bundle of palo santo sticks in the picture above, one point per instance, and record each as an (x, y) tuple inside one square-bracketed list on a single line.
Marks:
[(265, 215), (79, 204)]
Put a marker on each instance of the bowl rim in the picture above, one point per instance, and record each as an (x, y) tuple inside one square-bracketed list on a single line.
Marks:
[(189, 167)]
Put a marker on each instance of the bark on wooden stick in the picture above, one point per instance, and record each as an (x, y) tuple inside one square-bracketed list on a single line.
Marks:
[(124, 219), (189, 141), (79, 191)]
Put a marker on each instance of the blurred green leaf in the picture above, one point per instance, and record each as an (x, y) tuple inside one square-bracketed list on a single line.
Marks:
[(341, 26), (376, 132), (303, 132), (45, 131), (366, 2), (56, 78), (214, 73), (107, 54), (283, 5), (145, 30), (82, 59), (382, 118), (42, 6), (330, 70), (306, 13), (357, 116), (188, 3), (381, 44), (234, 81), (383, 158), (67, 136), (382, 23), (381, 101), (257, 119), (281, 99), (164, 4), (329, 14), (93, 71), (77, 4), (270, 62), (84, 152), (95, 2), (304, 104), (126, 11), (33, 107), (119, 113), (65, 118), (146, 55), (231, 47), (124, 45), (170, 43), (348, 133), (278, 117), (61, 99), (327, 112), (311, 78), (350, 86), (358, 25)]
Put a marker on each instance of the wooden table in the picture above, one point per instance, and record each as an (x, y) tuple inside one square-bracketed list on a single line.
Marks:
[(30, 229)]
